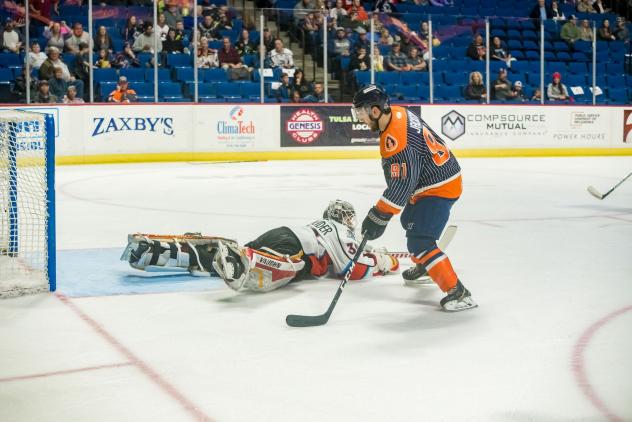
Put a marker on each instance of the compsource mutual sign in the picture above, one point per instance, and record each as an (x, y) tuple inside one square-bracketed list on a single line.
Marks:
[(304, 126)]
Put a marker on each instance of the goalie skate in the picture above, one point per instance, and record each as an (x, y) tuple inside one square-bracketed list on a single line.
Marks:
[(458, 299)]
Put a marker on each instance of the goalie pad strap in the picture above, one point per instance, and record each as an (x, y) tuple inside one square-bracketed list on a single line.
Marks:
[(155, 253)]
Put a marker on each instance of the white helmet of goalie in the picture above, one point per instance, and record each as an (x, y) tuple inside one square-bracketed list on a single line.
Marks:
[(342, 212)]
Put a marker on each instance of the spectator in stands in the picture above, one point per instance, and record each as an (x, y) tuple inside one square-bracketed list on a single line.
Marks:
[(312, 25), (19, 87), (301, 10), (501, 87), (71, 96), (47, 70), (476, 50), (207, 58), (285, 89), (172, 14), (585, 6), (556, 90), (360, 60), (415, 62), (77, 37), (57, 85), (621, 32), (537, 95), (338, 11), (386, 38), (131, 30), (397, 60), (356, 6), (317, 95), (103, 41), (80, 67), (605, 32), (300, 84), (126, 58), (280, 56), (354, 22), (245, 45), (378, 60), (424, 31), (499, 52), (268, 40), (208, 28), (541, 11), (585, 31), (42, 9), (362, 40), (171, 45), (341, 44), (10, 40), (475, 90), (146, 41), (384, 6), (570, 32), (296, 97), (36, 58), (518, 92), (183, 35), (599, 7), (162, 29), (54, 34), (43, 94), (556, 13), (104, 61), (123, 93), (230, 60)]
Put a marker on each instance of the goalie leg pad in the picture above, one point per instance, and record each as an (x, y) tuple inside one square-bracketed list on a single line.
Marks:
[(153, 253)]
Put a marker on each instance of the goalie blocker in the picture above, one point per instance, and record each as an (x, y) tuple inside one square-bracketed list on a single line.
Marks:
[(274, 259)]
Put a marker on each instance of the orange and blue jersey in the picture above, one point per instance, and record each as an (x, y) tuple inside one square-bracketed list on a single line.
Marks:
[(416, 163)]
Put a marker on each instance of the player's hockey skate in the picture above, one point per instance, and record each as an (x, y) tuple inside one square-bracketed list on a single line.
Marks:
[(458, 299), (416, 276), (231, 265)]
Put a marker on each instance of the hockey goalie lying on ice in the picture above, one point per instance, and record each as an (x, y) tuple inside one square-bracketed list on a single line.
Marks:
[(274, 259)]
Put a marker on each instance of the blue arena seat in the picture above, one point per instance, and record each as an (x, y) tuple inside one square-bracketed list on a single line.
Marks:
[(216, 75), (178, 60), (229, 91), (133, 74), (104, 75)]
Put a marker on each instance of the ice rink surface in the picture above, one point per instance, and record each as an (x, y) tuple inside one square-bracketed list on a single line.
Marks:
[(548, 264)]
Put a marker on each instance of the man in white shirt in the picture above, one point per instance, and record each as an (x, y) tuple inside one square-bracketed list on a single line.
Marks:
[(78, 36), (10, 38), (145, 41), (281, 57)]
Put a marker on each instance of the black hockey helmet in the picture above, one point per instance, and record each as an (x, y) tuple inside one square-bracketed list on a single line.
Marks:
[(368, 97), (342, 212)]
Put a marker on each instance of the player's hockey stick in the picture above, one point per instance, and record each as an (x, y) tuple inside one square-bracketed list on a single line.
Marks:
[(594, 192), (315, 320), (443, 243)]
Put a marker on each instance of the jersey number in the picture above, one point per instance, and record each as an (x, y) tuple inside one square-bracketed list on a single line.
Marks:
[(440, 153)]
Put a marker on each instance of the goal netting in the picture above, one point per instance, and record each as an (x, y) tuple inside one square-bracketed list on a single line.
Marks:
[(27, 237)]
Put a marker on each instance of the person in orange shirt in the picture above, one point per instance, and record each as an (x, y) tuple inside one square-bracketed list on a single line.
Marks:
[(122, 93), (423, 180)]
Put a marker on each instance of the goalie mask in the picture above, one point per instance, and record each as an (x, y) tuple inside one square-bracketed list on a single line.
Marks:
[(342, 212)]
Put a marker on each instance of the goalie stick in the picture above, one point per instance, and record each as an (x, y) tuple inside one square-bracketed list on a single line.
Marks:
[(315, 320), (594, 192)]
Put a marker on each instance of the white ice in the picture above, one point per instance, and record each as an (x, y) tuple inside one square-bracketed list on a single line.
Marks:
[(548, 264)]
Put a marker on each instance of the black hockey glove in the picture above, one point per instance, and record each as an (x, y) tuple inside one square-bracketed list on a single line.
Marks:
[(375, 223)]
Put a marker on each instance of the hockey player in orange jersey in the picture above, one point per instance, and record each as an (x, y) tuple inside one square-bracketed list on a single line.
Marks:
[(423, 181)]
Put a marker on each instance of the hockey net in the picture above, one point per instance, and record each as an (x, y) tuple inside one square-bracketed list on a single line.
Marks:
[(25, 174)]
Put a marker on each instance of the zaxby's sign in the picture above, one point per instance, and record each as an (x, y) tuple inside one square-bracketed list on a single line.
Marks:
[(159, 125)]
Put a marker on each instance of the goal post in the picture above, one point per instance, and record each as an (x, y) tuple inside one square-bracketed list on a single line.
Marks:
[(27, 203)]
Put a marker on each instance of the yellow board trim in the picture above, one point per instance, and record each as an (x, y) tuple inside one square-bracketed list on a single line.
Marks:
[(306, 154)]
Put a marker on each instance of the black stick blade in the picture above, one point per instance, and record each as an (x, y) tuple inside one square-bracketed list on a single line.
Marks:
[(306, 320)]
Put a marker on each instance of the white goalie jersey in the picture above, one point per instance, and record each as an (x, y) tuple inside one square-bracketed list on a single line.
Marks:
[(326, 242)]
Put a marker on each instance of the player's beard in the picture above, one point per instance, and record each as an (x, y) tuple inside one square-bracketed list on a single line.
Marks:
[(374, 126)]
